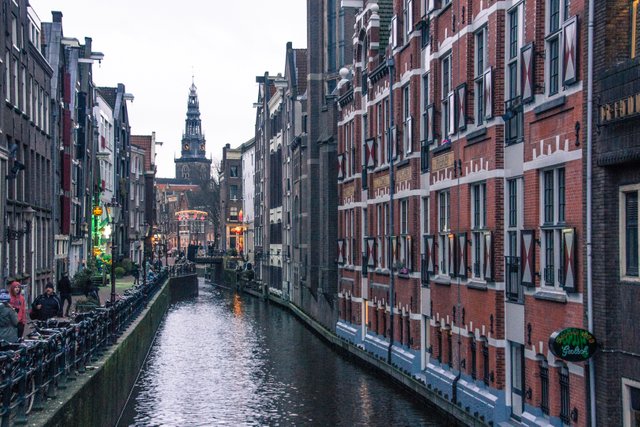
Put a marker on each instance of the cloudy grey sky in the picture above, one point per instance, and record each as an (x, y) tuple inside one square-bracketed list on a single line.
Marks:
[(152, 46)]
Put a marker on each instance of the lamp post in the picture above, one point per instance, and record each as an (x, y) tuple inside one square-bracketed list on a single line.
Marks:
[(113, 208)]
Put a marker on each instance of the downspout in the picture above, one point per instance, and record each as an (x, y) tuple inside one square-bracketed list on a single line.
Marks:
[(592, 375), (390, 65)]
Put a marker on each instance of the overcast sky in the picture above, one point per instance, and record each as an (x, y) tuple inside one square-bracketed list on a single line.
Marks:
[(152, 47)]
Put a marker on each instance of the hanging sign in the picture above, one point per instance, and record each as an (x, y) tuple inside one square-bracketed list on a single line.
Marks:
[(573, 344)]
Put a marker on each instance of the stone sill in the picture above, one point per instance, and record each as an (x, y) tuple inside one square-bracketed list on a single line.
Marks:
[(553, 296)]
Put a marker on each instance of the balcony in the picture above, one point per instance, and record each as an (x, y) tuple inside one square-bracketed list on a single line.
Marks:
[(513, 283)]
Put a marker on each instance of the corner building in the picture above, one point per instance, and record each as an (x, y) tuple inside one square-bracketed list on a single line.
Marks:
[(460, 200)]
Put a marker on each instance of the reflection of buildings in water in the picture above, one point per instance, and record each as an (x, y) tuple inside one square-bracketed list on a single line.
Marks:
[(237, 305)]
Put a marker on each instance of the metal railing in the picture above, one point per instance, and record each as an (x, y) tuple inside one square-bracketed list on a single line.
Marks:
[(56, 351)]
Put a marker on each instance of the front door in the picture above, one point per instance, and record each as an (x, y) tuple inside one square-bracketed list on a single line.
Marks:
[(517, 379)]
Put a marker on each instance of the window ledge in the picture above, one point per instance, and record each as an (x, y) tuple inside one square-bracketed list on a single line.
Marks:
[(402, 163), (442, 280), (441, 149), (476, 134), (553, 103), (630, 280), (549, 295), (476, 284), (384, 271)]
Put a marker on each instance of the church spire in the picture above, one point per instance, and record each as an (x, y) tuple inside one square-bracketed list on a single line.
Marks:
[(193, 142)]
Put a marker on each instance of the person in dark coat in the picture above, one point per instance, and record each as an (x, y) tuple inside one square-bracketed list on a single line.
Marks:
[(64, 288), (8, 319), (46, 305)]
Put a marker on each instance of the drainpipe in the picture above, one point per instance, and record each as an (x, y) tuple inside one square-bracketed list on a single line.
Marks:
[(390, 65), (592, 375)]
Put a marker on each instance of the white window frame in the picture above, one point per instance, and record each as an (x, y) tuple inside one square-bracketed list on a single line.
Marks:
[(552, 229), (553, 37), (479, 71), (407, 136), (627, 384), (407, 14), (444, 229), (623, 190), (478, 228), (445, 90), (513, 60)]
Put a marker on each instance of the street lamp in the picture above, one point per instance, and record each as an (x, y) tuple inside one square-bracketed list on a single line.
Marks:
[(113, 208)]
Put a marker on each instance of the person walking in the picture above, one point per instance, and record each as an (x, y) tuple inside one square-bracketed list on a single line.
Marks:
[(64, 288), (135, 272), (19, 305), (8, 319), (46, 305)]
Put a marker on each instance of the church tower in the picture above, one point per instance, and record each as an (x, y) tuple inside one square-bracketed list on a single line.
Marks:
[(193, 165)]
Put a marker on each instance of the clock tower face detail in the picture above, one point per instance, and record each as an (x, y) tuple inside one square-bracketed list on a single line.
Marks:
[(194, 146)]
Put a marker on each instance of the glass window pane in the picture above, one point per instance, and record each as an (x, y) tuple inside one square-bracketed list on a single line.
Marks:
[(631, 233)]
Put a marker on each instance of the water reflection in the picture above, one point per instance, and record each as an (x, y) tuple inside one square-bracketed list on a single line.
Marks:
[(223, 359)]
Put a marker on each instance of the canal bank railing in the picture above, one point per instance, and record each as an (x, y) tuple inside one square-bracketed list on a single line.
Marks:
[(56, 351)]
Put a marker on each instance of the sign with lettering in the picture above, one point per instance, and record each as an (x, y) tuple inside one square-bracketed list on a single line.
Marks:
[(442, 161), (620, 109), (573, 344)]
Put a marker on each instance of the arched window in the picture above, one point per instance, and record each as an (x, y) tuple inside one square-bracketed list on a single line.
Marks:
[(185, 172)]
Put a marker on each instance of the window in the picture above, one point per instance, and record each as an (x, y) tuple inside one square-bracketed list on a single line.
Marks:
[(14, 31), (565, 403), (405, 238), (514, 115), (512, 259), (408, 19), (425, 215), (557, 13), (380, 132), (444, 215), (446, 88), (553, 188), (185, 172), (517, 377), (406, 120), (486, 374), (16, 88), (629, 235), (7, 76), (426, 125), (233, 213), (480, 64), (478, 225), (233, 171), (544, 386), (380, 232), (233, 192), (630, 402)]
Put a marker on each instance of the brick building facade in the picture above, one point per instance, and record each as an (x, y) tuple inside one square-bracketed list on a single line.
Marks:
[(616, 185), (460, 199)]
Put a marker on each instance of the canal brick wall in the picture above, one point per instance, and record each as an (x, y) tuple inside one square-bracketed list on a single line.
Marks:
[(462, 416), (98, 396)]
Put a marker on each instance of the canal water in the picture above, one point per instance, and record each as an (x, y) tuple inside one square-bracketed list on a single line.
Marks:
[(227, 359)]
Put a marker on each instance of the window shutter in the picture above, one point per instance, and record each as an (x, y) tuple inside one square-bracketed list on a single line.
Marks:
[(527, 257), (394, 142), (341, 251), (462, 106), (488, 256), (570, 51), (526, 72), (451, 104), (370, 153), (341, 166), (488, 94), (430, 125), (452, 256), (371, 252), (462, 255), (394, 32), (569, 263), (430, 253), (409, 135)]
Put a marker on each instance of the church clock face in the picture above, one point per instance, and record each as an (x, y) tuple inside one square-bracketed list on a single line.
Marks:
[(186, 147)]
